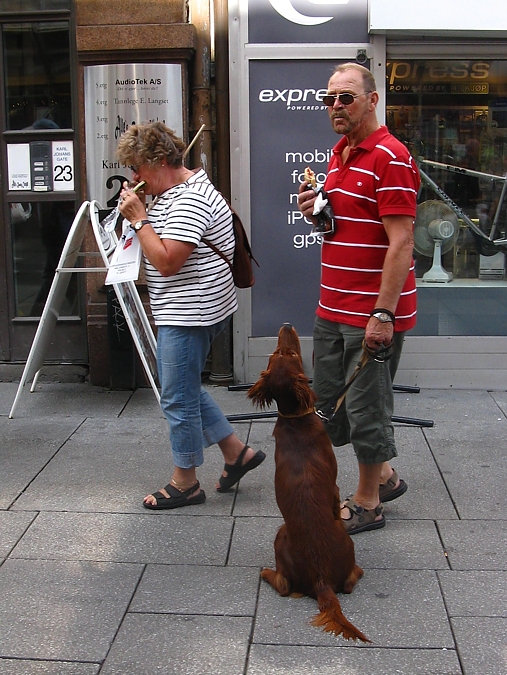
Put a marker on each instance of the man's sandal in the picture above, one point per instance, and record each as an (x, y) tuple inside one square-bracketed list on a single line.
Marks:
[(176, 498), (362, 519), (388, 490), (237, 470)]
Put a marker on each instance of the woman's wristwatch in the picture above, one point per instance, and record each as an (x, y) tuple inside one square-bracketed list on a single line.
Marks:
[(139, 224)]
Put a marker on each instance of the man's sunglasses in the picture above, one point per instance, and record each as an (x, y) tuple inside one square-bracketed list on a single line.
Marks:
[(344, 98)]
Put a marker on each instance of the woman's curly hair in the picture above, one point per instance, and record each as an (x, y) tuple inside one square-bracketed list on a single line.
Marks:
[(153, 143)]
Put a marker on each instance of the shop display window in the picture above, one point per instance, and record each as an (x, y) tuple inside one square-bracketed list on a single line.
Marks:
[(452, 115)]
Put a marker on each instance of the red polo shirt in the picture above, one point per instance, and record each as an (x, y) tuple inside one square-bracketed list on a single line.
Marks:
[(379, 179)]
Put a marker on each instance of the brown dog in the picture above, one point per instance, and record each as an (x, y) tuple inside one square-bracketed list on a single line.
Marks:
[(313, 552)]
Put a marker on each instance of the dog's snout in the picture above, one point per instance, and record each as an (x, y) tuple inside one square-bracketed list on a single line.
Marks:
[(288, 338)]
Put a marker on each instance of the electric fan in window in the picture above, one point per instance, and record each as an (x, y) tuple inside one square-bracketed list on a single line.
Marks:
[(435, 232)]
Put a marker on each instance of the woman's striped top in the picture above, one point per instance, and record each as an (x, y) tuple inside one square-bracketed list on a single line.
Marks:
[(202, 293)]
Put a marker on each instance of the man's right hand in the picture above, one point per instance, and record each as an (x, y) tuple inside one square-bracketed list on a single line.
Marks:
[(306, 200)]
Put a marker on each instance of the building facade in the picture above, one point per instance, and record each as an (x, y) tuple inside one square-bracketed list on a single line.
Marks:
[(442, 80), (76, 72)]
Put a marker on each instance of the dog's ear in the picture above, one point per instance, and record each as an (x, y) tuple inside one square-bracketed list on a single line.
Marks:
[(304, 394), (260, 392)]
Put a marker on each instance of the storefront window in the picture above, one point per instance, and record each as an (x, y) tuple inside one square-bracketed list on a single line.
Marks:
[(452, 114), (37, 74)]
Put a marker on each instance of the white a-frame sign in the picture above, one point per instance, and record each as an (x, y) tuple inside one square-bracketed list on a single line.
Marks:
[(126, 292)]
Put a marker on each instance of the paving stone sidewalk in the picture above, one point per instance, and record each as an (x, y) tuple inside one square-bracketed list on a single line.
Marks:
[(91, 582)]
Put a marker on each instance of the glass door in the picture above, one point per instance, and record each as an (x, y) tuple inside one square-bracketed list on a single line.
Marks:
[(39, 185)]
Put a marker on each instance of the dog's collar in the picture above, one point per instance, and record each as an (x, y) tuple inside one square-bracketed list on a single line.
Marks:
[(308, 412)]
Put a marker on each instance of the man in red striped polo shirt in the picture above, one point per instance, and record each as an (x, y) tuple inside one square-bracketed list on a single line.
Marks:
[(368, 288)]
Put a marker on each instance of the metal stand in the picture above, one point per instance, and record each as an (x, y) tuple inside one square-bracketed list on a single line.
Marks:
[(396, 387), (258, 416)]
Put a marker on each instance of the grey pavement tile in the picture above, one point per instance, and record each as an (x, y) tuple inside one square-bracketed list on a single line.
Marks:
[(475, 544), (289, 660), (256, 490), (481, 645), (12, 527), (252, 542), (233, 402), (401, 544), (153, 538), (472, 461), (194, 589), (391, 607), (62, 610), (24, 667), (142, 404), (107, 465), (474, 593), (110, 465), (65, 400), (27, 446), (286, 620), (447, 405), (427, 496), (179, 645), (500, 398), (8, 391)]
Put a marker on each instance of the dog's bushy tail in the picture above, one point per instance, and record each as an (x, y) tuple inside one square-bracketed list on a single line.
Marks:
[(331, 618)]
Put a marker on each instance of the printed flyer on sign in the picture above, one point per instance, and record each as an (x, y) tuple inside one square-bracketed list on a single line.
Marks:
[(126, 259), (117, 96)]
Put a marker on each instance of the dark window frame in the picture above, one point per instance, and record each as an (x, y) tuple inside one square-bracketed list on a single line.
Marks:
[(8, 320)]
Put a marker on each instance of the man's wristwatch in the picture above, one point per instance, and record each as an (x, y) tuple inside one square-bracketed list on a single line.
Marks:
[(383, 315), (139, 224)]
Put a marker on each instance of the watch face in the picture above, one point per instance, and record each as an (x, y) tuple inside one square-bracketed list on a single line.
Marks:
[(382, 316)]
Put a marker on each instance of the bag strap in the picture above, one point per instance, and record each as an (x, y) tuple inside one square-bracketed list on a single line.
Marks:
[(207, 241), (203, 239), (217, 251), (234, 215)]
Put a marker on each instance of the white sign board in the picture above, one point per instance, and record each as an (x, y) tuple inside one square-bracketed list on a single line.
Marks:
[(127, 294), (117, 96), (446, 17), (63, 165), (18, 165)]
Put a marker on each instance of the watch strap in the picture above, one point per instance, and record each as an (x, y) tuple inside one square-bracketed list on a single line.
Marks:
[(143, 221)]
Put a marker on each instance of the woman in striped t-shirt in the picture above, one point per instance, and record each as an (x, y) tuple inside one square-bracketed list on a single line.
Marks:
[(192, 298)]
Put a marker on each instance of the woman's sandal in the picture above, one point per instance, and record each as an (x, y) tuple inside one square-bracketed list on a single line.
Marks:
[(176, 498), (237, 470), (362, 519), (388, 490)]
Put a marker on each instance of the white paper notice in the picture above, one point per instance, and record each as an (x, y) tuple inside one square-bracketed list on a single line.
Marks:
[(18, 166), (126, 260)]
